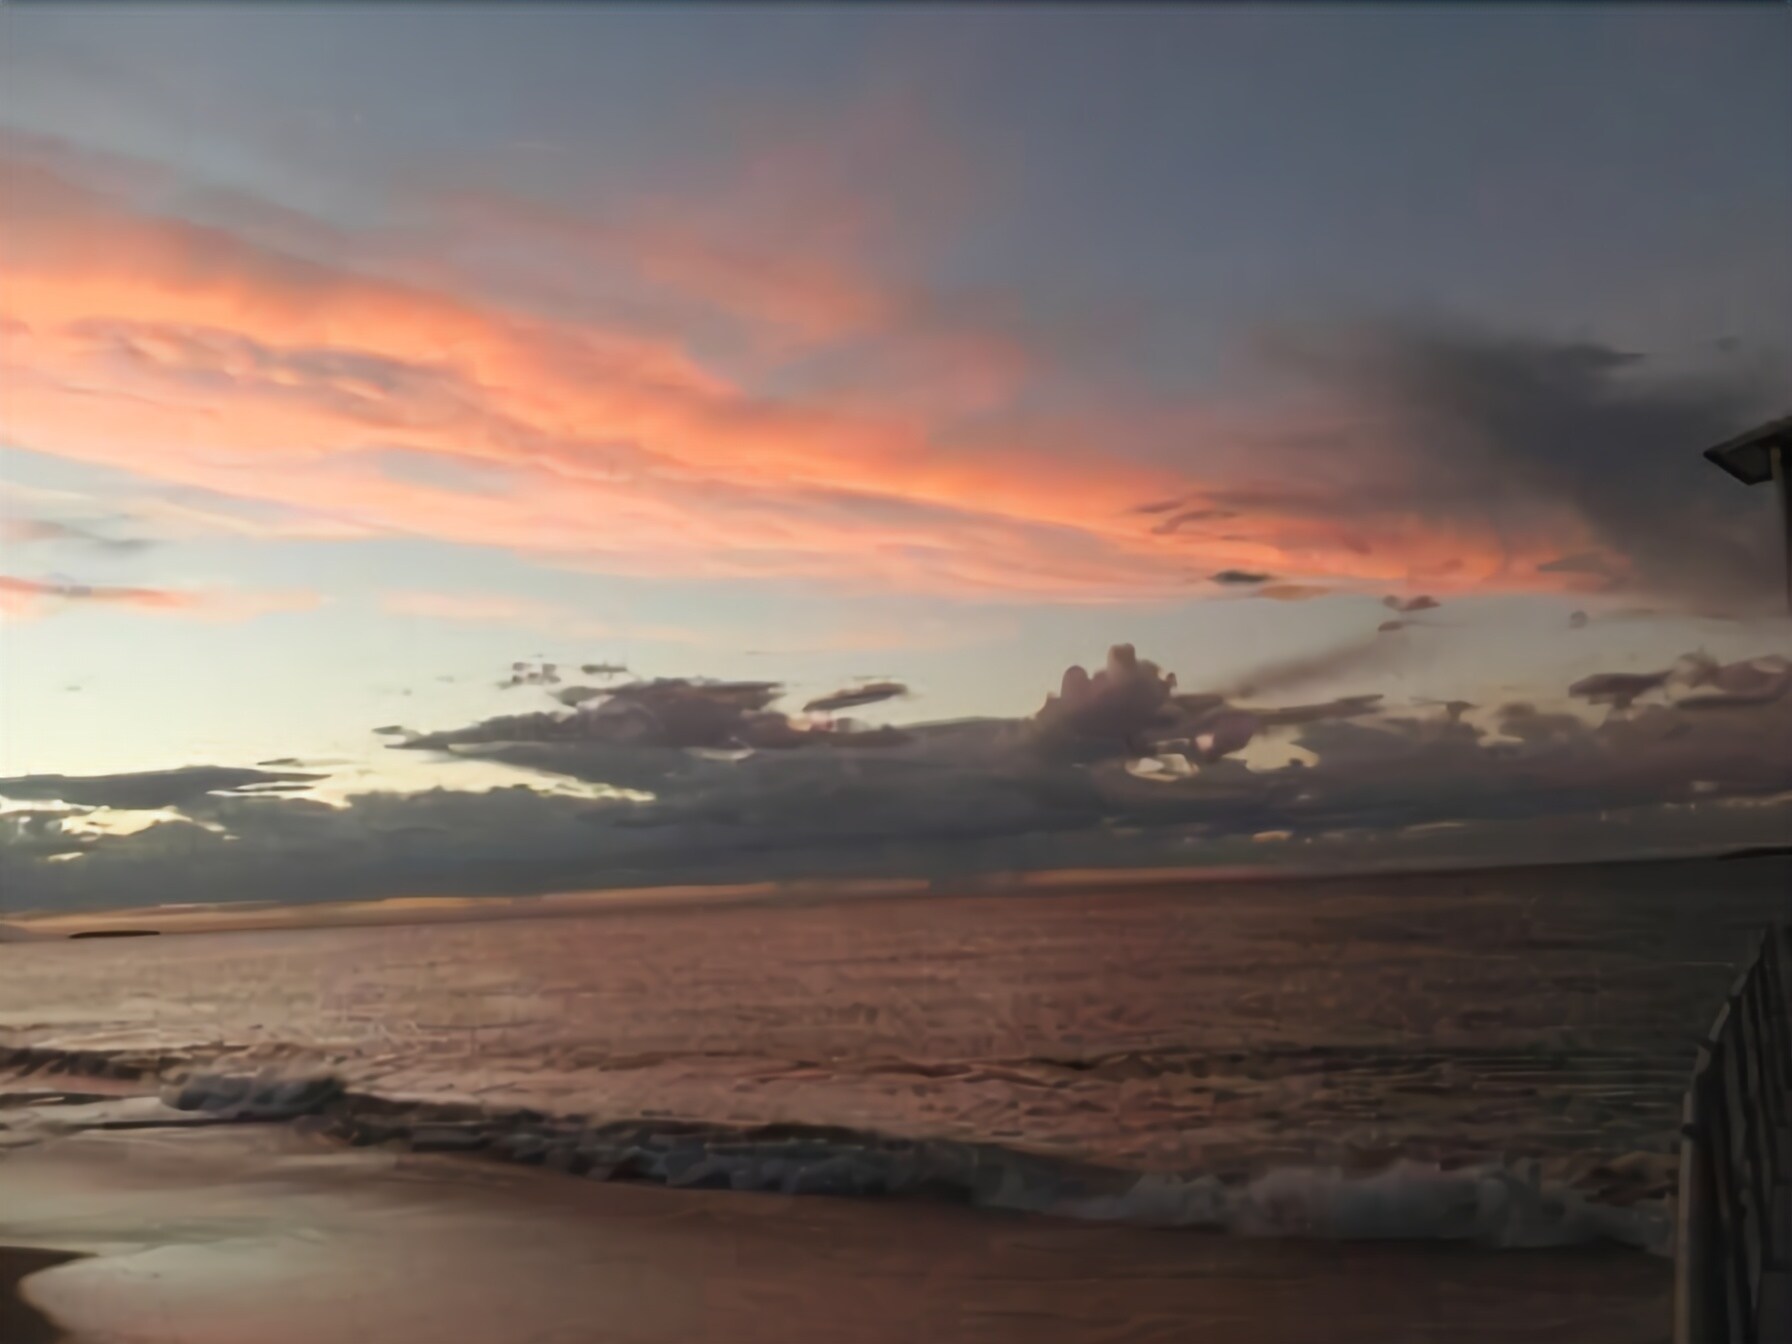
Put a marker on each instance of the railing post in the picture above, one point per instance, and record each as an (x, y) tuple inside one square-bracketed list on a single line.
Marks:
[(1692, 1232), (1733, 1164)]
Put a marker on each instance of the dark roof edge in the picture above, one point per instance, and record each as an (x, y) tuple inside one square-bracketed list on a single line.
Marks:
[(1745, 456)]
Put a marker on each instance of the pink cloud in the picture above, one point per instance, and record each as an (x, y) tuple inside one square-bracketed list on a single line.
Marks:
[(197, 357)]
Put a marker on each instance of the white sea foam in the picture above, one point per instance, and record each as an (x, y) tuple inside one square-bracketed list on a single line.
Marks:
[(1491, 1205)]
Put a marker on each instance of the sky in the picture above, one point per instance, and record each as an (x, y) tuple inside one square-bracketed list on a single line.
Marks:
[(380, 368)]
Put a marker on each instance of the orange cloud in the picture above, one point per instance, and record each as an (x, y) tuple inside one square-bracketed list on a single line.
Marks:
[(22, 599), (194, 355)]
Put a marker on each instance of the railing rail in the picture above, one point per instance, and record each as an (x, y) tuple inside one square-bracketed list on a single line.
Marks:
[(1733, 1240)]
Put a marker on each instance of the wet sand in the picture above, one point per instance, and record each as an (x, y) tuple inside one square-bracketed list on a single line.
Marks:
[(268, 1235)]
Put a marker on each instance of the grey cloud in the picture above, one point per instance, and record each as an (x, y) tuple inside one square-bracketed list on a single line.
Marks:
[(1619, 689), (1239, 577), (1422, 602), (148, 789), (1217, 731), (1753, 681), (671, 713), (1058, 788), (1345, 707), (33, 834), (667, 713), (1108, 713), (1371, 654), (574, 696), (1751, 676), (1587, 562), (88, 592), (1758, 681), (1194, 704), (853, 696), (21, 530), (1083, 733), (1176, 522), (531, 674)]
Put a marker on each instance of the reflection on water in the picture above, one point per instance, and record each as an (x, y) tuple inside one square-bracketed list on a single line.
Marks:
[(1546, 1014)]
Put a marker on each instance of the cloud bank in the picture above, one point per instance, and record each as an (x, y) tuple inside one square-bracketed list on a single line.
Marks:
[(710, 781)]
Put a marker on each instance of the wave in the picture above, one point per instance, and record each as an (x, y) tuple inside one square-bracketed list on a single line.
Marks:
[(1491, 1205)]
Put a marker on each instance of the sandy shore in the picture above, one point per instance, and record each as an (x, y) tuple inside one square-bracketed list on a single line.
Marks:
[(264, 1235)]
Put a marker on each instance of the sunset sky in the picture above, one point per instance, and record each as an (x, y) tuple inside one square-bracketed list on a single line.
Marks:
[(357, 361)]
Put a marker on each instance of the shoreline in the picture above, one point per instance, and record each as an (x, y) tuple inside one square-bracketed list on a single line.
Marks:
[(1488, 1205), (221, 1234)]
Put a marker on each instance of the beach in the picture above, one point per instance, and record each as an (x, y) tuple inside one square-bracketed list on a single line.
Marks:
[(263, 1235), (1354, 1111)]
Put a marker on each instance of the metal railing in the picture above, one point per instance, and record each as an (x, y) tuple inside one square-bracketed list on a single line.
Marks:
[(1733, 1248)]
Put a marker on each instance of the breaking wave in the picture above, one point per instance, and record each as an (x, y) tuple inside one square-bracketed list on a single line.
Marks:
[(1492, 1204)]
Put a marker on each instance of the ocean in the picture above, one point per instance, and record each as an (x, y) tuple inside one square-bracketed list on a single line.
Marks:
[(1494, 1056)]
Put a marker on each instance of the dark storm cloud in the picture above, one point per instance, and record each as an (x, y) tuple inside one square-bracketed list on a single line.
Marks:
[(148, 789), (1523, 433)]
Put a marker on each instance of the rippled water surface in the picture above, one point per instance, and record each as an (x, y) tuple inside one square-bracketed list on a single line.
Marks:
[(1544, 1014)]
